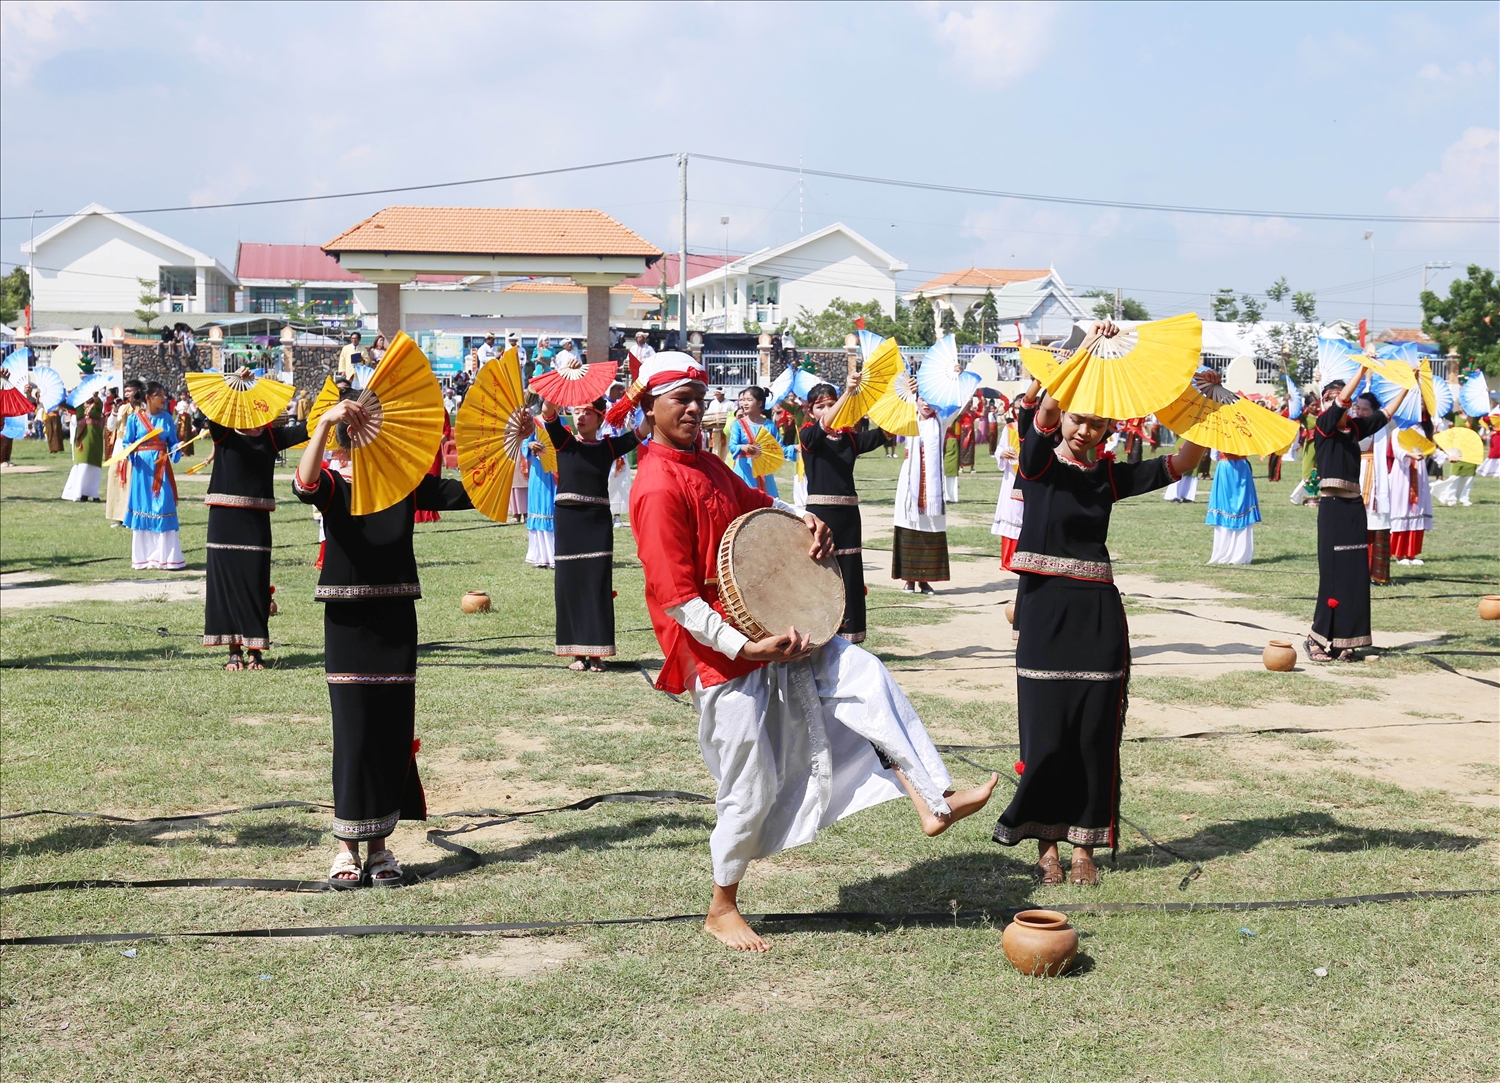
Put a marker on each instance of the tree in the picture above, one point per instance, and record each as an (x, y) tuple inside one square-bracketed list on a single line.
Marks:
[(826, 329), (1226, 308), (1104, 307), (989, 317), (1293, 346), (948, 325), (919, 324), (148, 301), (15, 295), (1468, 319), (300, 313), (968, 331)]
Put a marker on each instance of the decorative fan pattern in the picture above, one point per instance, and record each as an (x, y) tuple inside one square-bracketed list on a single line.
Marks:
[(549, 451), (396, 447), (1043, 365), (87, 386), (1140, 375), (875, 377), (1397, 370), (1212, 416), (896, 412), (1408, 414), (942, 381), (1294, 403), (49, 387), (491, 432), (13, 403), (573, 383), (771, 456), (1415, 442), (1461, 444), (361, 378), (792, 381), (236, 403), (1338, 359), (1474, 395)]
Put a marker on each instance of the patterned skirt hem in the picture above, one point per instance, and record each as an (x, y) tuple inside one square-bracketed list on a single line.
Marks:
[(1341, 644), (562, 651), (237, 640), (853, 637), (357, 830), (158, 566), (1078, 836)]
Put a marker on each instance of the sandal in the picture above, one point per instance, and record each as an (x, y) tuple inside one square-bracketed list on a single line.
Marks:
[(1348, 655), (345, 863), (578, 665), (235, 664), (1316, 653), (1085, 872), (256, 662), (598, 667), (1049, 870), (383, 870)]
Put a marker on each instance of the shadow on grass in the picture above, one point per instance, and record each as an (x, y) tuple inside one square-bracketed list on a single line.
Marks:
[(969, 881), (75, 837), (1324, 834)]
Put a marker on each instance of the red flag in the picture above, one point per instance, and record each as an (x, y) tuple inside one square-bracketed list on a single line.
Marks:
[(1364, 329), (859, 322)]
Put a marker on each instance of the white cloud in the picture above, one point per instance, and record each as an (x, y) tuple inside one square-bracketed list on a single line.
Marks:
[(1466, 183), (994, 43), (33, 31)]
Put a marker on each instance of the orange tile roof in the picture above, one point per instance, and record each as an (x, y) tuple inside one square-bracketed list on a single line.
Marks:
[(637, 297), (491, 231), (982, 277), (1402, 334)]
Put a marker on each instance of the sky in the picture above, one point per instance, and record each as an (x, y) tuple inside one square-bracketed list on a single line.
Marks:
[(1366, 109)]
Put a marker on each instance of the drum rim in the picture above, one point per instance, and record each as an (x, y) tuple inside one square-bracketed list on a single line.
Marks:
[(729, 594)]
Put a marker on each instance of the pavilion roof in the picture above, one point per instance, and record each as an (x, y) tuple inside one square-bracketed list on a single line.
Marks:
[(492, 230)]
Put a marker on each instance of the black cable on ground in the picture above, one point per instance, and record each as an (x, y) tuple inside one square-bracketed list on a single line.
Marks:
[(981, 914)]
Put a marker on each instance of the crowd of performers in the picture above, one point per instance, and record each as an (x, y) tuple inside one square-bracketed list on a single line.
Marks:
[(795, 736)]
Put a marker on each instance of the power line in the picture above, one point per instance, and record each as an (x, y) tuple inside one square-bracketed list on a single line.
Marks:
[(1117, 204), (367, 192)]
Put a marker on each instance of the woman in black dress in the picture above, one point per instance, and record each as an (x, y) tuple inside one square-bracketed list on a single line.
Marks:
[(241, 497), (1341, 621), (828, 458), (583, 586), (369, 586), (1073, 650)]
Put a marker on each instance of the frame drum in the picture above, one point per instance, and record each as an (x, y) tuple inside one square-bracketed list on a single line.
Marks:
[(768, 583)]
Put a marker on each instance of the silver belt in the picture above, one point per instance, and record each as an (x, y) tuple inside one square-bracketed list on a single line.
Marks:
[(835, 501), (579, 498)]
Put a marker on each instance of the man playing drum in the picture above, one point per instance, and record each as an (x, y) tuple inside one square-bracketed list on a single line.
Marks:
[(797, 737)]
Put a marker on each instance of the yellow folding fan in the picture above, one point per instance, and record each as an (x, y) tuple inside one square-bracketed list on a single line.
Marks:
[(896, 412), (1461, 444), (1415, 442), (238, 403), (1135, 373), (771, 453), (1210, 415), (1394, 369), (881, 366), (492, 430)]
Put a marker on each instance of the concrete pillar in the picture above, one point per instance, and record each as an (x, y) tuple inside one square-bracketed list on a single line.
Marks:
[(388, 309), (695, 345), (763, 346), (596, 325)]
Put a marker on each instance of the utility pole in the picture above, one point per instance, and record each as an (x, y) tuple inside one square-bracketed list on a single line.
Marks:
[(724, 221), (31, 275), (682, 275), (1435, 265), (1118, 307), (1370, 236), (800, 186)]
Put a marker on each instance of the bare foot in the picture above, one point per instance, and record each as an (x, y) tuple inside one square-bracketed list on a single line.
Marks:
[(961, 803), (726, 925)]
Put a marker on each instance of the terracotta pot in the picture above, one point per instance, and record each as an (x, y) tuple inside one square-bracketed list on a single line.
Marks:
[(1279, 656), (1489, 607), (1010, 612), (1040, 942), (476, 601), (274, 609)]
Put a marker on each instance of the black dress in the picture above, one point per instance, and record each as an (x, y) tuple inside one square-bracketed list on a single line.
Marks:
[(370, 587), (241, 496), (1073, 647), (583, 585), (828, 460), (1341, 620)]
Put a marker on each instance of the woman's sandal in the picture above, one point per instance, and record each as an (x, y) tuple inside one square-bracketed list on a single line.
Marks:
[(235, 664), (598, 667), (578, 665), (345, 863), (1049, 870), (1085, 872), (383, 870), (1315, 652), (255, 662)]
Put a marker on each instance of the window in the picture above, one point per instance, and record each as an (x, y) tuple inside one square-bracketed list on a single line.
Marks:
[(179, 282), (270, 301), (332, 302)]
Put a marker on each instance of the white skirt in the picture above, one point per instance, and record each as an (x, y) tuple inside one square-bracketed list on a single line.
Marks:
[(541, 548), (1183, 489), (1233, 546), (83, 483), (619, 490), (950, 489), (790, 747), (1490, 468), (799, 492), (156, 551)]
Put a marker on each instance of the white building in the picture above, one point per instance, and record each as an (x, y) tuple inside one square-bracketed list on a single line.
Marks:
[(88, 271), (274, 275), (1038, 299), (772, 285)]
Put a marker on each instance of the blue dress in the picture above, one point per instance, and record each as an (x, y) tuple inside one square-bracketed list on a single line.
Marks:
[(153, 498), (738, 440), (541, 495), (1232, 501)]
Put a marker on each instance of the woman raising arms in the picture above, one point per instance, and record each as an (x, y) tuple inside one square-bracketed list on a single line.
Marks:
[(1073, 652)]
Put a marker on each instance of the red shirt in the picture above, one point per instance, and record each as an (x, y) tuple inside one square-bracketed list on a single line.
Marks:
[(681, 502)]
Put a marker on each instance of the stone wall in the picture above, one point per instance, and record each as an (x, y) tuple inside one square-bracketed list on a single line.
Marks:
[(311, 364)]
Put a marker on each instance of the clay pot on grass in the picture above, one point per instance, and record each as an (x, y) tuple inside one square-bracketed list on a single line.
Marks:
[(476, 601), (1489, 607), (1040, 943), (1279, 656), (1010, 612)]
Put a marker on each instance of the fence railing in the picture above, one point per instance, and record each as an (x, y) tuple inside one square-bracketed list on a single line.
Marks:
[(732, 368)]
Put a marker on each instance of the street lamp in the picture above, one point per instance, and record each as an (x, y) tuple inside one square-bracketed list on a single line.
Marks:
[(724, 221)]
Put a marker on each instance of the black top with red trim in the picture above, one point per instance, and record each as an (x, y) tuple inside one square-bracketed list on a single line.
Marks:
[(1066, 524), (583, 466), (244, 466), (828, 457), (370, 556), (1336, 440)]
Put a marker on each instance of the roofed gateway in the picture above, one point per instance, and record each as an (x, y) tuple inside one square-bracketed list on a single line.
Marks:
[(396, 244)]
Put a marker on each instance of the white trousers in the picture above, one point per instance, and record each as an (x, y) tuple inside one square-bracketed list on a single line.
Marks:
[(1233, 546), (1448, 492), (1183, 489), (619, 490), (156, 551), (83, 483), (790, 746), (541, 548)]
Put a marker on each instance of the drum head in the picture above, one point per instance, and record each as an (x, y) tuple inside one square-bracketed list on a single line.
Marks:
[(772, 584)]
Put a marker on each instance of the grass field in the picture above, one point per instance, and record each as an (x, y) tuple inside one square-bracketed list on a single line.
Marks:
[(110, 715)]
